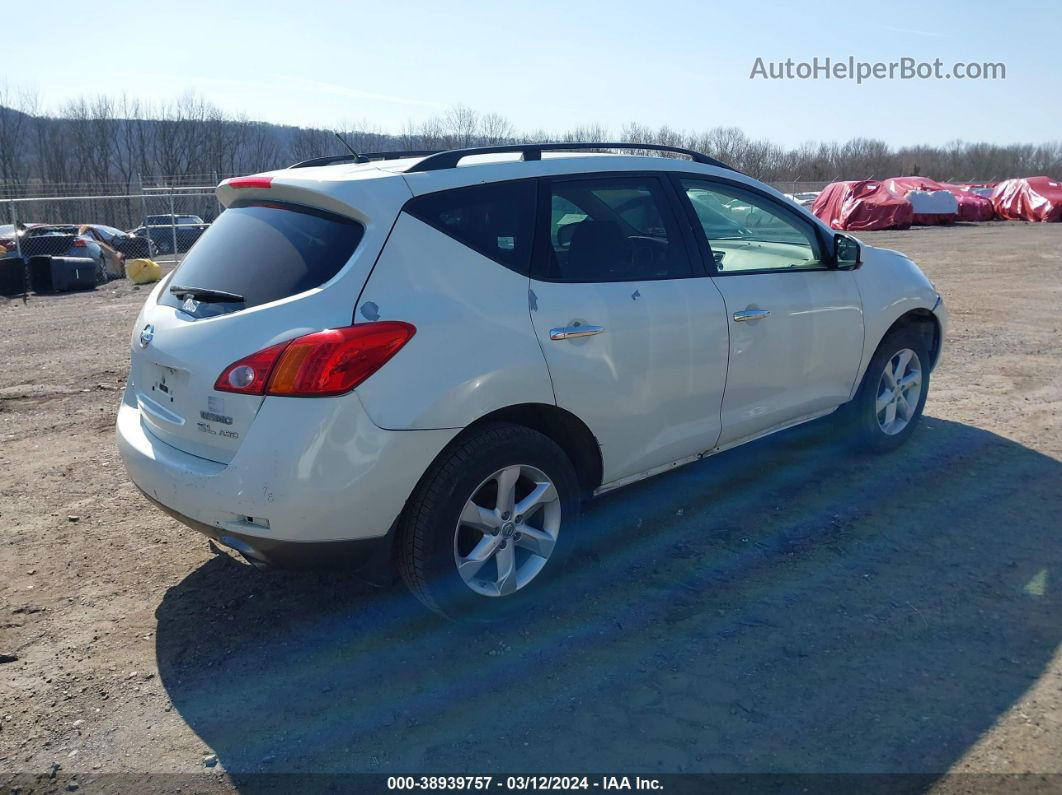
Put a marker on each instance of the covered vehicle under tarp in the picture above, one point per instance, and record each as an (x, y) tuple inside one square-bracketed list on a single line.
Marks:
[(983, 189), (974, 201), (931, 202), (1029, 199), (862, 205)]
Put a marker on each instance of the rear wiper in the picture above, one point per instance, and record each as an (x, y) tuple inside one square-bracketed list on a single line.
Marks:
[(205, 294)]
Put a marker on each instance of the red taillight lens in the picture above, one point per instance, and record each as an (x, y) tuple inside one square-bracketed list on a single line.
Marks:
[(318, 365), (248, 376), (262, 183), (79, 243), (335, 361)]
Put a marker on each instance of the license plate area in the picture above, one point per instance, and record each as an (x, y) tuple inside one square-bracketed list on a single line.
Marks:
[(163, 391), (167, 386)]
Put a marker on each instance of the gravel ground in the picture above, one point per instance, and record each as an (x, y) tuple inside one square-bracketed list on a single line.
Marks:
[(781, 607)]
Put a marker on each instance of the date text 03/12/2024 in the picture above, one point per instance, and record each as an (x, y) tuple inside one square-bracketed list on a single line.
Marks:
[(523, 783)]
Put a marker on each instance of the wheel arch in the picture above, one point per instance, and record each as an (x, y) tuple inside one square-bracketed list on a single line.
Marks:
[(926, 323), (562, 427), (921, 319)]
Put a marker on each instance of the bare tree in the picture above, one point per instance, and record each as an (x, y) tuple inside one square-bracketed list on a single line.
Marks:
[(109, 142), (495, 129), (460, 126)]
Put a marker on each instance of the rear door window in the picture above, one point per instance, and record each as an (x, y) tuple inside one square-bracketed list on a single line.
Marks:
[(262, 252), (497, 220), (609, 229)]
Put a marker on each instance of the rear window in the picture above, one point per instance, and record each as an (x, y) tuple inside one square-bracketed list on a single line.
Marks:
[(262, 252)]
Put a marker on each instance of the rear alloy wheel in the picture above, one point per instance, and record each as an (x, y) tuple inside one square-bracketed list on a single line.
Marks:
[(893, 394), (485, 522), (507, 530)]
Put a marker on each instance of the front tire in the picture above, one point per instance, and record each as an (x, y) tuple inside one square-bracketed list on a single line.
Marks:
[(893, 394), (487, 523)]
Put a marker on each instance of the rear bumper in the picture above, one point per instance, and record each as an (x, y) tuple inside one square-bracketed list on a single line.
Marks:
[(307, 472), (370, 557)]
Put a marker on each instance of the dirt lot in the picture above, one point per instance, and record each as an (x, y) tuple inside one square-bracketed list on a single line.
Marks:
[(787, 607)]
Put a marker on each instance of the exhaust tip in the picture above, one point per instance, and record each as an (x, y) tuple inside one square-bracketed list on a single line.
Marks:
[(245, 551)]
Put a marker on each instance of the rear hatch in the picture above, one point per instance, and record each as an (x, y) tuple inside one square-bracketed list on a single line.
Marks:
[(266, 271)]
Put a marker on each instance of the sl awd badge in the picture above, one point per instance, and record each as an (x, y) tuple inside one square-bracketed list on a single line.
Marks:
[(147, 335)]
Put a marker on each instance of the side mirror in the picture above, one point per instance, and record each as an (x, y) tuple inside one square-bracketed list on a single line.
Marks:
[(846, 253)]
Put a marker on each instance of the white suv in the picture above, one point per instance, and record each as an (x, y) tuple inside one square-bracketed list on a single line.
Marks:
[(429, 361)]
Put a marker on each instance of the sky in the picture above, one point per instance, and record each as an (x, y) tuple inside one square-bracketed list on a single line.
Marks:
[(555, 65)]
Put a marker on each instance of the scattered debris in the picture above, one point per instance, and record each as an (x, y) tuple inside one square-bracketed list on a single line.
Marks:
[(6, 658), (209, 760)]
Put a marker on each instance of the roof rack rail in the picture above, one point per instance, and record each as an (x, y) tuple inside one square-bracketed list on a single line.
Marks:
[(450, 159), (364, 157)]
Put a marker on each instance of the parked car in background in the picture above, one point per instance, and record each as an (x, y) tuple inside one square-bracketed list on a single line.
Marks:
[(113, 245), (432, 361), (164, 229), (65, 240), (804, 199), (125, 243)]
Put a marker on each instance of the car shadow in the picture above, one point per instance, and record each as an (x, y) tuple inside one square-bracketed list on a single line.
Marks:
[(783, 607)]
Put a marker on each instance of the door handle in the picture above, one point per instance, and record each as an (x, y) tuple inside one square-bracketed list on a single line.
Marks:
[(751, 314), (571, 332)]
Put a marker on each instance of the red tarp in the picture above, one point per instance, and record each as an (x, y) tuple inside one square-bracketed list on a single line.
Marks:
[(862, 205), (928, 209), (1028, 199), (972, 207)]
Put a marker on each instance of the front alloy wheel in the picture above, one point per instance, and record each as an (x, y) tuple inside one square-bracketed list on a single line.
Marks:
[(889, 403), (898, 391)]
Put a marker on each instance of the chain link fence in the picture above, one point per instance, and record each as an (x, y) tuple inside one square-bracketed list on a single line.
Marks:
[(158, 218), (54, 243), (89, 230), (160, 223)]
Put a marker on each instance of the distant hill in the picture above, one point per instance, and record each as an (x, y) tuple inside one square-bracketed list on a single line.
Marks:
[(112, 152), (105, 145)]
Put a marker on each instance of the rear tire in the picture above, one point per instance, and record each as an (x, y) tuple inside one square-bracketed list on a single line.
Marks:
[(465, 512), (890, 401)]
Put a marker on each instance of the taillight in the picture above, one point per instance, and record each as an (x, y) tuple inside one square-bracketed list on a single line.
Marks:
[(79, 243), (318, 365), (248, 376), (262, 183)]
